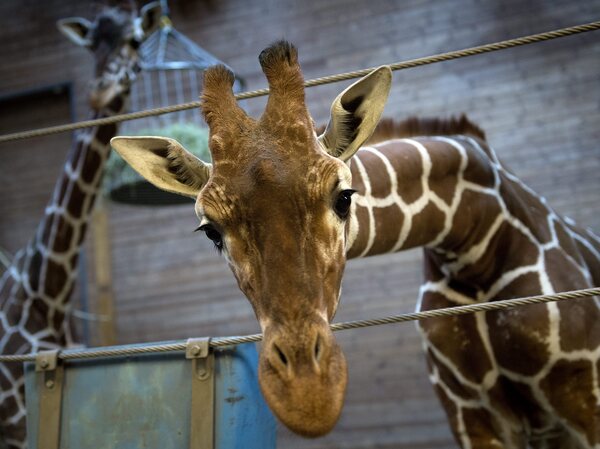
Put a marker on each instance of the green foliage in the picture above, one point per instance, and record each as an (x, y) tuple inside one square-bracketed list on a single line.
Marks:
[(194, 138)]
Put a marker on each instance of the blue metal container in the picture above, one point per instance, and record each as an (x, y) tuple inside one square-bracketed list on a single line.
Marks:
[(144, 401)]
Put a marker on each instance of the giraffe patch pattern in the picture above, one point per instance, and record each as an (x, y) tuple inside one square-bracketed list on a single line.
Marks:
[(489, 237)]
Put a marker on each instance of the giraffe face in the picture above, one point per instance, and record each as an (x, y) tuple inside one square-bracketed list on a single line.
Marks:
[(113, 38), (276, 202), (287, 253), (296, 226)]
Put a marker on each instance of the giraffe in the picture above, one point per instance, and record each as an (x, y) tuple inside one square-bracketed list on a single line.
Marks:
[(287, 206), (35, 290)]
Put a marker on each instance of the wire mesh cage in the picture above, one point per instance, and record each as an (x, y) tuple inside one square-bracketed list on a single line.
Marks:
[(172, 68)]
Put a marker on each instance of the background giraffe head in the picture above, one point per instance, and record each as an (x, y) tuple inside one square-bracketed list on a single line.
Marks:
[(276, 202), (113, 38)]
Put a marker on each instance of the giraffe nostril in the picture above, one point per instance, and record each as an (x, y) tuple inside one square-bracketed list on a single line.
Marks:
[(318, 348), (281, 355)]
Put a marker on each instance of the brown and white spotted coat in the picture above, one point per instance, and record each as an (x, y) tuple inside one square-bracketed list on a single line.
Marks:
[(506, 379), (278, 201), (35, 290)]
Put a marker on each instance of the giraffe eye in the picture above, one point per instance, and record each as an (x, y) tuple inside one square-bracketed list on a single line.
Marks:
[(212, 234), (343, 202)]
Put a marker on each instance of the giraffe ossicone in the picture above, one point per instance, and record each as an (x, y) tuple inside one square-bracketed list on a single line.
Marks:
[(287, 208)]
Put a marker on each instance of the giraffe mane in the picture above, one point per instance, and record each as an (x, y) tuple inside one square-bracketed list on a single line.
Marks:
[(414, 126)]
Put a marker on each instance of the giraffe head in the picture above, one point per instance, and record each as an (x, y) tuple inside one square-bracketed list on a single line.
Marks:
[(113, 38), (276, 201)]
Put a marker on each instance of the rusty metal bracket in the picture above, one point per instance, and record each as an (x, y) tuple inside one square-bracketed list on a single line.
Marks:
[(50, 379), (202, 415)]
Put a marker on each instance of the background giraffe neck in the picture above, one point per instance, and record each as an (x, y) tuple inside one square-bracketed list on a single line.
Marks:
[(35, 289), (451, 195), (61, 233), (47, 267), (63, 229)]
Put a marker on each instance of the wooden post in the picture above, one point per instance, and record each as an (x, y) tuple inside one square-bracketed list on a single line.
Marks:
[(104, 306)]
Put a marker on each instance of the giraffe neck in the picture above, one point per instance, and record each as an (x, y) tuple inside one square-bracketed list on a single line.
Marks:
[(47, 267), (451, 196), (35, 289)]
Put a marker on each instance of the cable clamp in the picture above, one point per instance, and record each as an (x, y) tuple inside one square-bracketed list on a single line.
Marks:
[(46, 360)]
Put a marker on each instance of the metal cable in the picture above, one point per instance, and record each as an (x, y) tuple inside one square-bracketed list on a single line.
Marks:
[(314, 82), (217, 342)]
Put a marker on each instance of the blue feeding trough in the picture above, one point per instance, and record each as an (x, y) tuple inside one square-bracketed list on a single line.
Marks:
[(150, 401)]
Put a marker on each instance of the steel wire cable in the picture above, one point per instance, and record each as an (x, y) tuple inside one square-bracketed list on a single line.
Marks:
[(510, 43), (227, 341), (217, 342)]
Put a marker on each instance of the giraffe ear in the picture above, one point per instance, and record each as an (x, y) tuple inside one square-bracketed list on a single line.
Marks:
[(355, 114), (165, 163), (76, 29)]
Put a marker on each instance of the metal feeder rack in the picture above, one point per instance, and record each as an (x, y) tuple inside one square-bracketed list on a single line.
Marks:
[(172, 68)]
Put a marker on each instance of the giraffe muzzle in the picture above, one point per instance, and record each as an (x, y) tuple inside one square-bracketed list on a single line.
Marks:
[(303, 375)]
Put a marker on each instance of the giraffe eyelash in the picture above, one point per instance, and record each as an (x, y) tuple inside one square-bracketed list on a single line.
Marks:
[(212, 234)]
